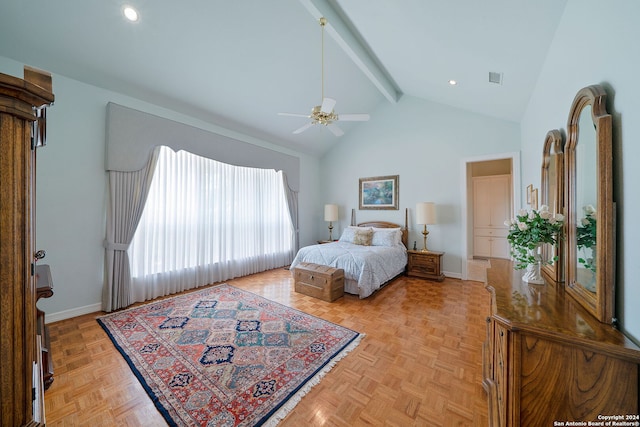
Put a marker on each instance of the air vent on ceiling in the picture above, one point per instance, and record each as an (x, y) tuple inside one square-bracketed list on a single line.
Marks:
[(495, 77)]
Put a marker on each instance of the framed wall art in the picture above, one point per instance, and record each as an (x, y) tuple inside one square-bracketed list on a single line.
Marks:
[(534, 199), (380, 192)]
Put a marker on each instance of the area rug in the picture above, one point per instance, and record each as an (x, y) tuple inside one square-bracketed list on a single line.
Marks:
[(226, 357)]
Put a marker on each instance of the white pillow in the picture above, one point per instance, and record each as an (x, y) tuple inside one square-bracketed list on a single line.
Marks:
[(386, 237)]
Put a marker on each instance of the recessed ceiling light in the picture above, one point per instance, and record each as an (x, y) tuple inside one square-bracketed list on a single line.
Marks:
[(130, 13), (453, 82)]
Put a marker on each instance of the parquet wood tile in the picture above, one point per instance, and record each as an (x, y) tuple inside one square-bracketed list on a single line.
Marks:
[(419, 364)]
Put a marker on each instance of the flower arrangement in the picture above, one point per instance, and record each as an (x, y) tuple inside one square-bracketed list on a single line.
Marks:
[(586, 235), (528, 230)]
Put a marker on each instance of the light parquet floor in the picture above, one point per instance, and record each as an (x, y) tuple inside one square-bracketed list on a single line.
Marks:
[(419, 364)]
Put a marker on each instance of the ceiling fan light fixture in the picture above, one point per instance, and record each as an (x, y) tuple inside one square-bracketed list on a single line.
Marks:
[(324, 114)]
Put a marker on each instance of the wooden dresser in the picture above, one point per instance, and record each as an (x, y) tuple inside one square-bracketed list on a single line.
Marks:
[(547, 359), (22, 102)]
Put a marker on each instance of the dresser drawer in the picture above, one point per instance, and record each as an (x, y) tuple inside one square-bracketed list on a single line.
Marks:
[(491, 232), (424, 264)]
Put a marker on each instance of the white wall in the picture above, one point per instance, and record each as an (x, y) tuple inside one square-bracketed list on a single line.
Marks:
[(425, 144), (71, 189), (596, 43)]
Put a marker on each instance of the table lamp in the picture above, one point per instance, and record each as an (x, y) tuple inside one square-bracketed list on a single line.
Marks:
[(425, 214), (330, 214)]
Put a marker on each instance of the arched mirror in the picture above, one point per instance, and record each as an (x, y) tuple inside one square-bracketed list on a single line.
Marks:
[(589, 190), (552, 195)]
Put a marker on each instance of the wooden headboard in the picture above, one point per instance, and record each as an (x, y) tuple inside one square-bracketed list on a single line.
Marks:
[(385, 224)]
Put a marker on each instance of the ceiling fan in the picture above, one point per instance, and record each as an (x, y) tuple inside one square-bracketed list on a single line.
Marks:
[(324, 114)]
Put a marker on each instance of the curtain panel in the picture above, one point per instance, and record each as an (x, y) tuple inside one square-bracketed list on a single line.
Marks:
[(292, 201), (127, 195)]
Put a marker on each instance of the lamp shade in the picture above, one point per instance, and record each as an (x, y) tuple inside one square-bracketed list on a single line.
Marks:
[(330, 212), (425, 213)]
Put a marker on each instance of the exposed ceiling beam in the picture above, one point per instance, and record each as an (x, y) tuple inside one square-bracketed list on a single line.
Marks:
[(343, 35)]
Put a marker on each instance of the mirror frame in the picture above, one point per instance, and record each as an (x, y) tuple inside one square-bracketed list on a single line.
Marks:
[(553, 150), (601, 303)]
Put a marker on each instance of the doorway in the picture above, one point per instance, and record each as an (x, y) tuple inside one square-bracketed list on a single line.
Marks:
[(478, 166)]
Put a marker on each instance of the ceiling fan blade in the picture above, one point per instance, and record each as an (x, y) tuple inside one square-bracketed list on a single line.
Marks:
[(353, 117), (303, 128), (293, 115), (327, 105), (335, 130)]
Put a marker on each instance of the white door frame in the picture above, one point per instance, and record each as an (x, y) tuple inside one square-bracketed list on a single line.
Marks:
[(465, 180)]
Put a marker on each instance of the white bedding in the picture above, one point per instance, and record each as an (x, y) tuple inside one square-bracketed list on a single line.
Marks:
[(366, 268)]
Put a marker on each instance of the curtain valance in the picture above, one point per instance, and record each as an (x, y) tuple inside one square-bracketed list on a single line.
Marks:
[(131, 136)]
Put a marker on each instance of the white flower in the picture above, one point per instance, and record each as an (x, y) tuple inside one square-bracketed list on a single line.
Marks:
[(522, 212), (545, 214), (585, 221), (589, 210), (532, 215), (522, 226), (507, 222), (544, 208), (559, 217), (552, 220)]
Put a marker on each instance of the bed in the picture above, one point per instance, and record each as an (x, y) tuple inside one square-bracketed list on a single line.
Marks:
[(367, 267)]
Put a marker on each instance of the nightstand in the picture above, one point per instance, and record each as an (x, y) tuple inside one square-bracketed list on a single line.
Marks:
[(427, 264)]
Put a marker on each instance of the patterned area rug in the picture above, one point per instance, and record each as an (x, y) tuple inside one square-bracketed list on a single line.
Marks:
[(226, 357)]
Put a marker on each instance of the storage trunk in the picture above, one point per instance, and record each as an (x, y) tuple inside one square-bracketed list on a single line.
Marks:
[(319, 281)]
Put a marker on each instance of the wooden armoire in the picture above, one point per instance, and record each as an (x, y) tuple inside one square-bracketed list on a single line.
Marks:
[(23, 105)]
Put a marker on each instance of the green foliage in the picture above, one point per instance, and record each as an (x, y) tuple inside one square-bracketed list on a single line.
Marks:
[(586, 235), (528, 230)]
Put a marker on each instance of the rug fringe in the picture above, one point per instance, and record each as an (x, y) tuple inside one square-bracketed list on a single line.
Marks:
[(296, 398)]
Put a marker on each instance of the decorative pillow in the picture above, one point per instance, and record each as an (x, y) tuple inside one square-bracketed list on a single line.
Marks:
[(386, 237), (349, 233), (363, 237)]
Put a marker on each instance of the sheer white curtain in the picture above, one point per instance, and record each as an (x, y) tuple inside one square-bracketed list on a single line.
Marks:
[(206, 221)]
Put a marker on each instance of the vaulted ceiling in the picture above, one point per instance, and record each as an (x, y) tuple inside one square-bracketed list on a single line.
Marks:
[(238, 63)]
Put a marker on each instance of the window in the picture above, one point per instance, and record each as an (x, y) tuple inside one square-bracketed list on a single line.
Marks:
[(206, 221)]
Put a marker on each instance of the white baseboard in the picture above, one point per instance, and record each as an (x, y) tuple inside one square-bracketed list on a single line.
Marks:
[(68, 314), (452, 275)]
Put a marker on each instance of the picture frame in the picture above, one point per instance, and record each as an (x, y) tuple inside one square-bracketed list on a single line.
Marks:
[(534, 199), (379, 192), (529, 193)]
